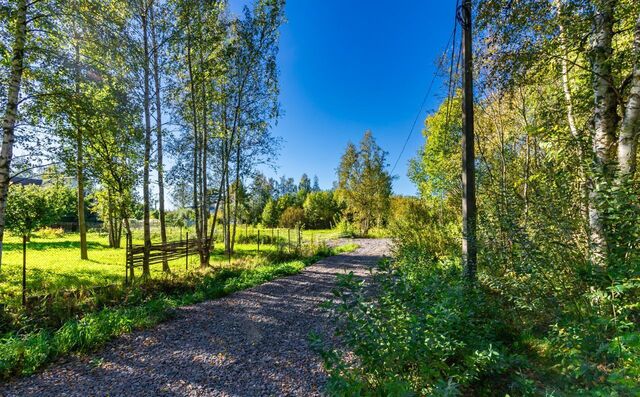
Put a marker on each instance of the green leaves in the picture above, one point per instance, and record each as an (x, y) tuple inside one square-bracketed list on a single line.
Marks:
[(31, 207), (364, 185)]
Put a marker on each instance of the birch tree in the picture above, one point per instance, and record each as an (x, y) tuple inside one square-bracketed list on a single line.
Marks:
[(19, 33)]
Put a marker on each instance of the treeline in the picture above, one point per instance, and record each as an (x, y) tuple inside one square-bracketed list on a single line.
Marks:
[(107, 90), (359, 200), (555, 308)]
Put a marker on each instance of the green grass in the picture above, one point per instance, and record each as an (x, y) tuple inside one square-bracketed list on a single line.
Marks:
[(54, 264), (66, 324)]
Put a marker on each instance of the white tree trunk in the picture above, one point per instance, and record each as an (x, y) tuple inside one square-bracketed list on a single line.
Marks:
[(605, 123), (11, 111), (628, 140)]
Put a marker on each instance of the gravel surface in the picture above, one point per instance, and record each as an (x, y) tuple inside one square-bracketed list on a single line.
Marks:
[(251, 343)]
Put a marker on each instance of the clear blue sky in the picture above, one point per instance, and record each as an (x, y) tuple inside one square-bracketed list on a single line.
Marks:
[(351, 65)]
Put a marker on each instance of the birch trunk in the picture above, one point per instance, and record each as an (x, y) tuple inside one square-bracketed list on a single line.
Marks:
[(628, 141), (157, 83), (147, 141), (605, 123), (82, 224), (196, 138), (11, 111), (205, 249)]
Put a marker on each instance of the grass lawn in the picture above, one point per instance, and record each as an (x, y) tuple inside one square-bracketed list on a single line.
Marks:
[(53, 263)]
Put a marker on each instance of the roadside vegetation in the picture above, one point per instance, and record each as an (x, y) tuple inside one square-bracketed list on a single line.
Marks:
[(554, 309)]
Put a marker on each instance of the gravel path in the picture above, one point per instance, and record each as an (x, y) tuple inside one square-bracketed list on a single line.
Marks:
[(251, 343)]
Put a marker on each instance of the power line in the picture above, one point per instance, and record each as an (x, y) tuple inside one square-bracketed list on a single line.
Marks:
[(424, 101)]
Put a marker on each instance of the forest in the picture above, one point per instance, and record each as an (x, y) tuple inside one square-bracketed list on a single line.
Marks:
[(146, 127)]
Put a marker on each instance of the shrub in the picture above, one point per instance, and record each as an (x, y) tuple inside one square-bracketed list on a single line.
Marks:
[(320, 209), (424, 333), (50, 232), (346, 229), (292, 217)]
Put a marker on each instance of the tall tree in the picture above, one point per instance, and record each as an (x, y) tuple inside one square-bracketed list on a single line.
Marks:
[(363, 183), (158, 96), (11, 108)]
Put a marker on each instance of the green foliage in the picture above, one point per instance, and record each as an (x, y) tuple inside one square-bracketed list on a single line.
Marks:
[(425, 225), (182, 217), (292, 217), (364, 185), (321, 209), (270, 214), (424, 333), (31, 207), (346, 228)]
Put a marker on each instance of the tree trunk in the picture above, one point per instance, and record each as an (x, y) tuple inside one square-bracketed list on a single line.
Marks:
[(205, 249), (110, 217), (82, 225), (147, 143), (157, 82), (127, 226), (24, 270), (605, 123), (11, 111), (628, 141), (196, 139), (236, 200)]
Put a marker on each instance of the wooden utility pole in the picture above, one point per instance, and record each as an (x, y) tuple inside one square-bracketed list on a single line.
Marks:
[(469, 212)]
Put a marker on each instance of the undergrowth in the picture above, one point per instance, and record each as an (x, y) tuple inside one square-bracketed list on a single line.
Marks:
[(426, 332)]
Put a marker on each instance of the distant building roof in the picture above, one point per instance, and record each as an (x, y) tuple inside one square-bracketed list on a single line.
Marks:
[(26, 181)]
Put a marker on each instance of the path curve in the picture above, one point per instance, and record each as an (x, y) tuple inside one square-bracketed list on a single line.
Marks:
[(250, 343)]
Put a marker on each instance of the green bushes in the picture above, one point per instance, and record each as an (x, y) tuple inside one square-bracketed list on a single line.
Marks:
[(424, 332), (292, 217)]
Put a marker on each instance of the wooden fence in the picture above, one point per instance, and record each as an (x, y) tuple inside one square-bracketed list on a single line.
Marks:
[(283, 239), (158, 253)]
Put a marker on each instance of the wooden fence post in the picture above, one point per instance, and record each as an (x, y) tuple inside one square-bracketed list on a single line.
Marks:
[(24, 270), (186, 262), (258, 240), (131, 268), (289, 234), (126, 262)]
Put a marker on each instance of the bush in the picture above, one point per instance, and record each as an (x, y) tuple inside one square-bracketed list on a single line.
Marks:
[(292, 217), (424, 333), (320, 209), (346, 229), (50, 232)]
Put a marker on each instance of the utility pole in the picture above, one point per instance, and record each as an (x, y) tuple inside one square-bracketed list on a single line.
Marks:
[(469, 212)]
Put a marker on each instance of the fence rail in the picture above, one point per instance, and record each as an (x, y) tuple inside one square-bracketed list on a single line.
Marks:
[(158, 253), (290, 239)]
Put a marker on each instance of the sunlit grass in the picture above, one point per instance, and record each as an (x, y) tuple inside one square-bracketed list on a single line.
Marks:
[(54, 264)]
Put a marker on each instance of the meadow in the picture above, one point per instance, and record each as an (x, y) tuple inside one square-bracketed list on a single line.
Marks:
[(54, 264)]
